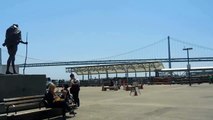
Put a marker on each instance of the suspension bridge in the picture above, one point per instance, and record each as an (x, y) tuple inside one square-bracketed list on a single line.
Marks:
[(169, 49), (105, 62)]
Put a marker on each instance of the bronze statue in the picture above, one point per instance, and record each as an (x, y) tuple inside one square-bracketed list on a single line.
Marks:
[(13, 38)]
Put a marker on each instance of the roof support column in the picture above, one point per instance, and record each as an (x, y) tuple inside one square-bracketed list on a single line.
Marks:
[(88, 73), (150, 73), (82, 75), (144, 70), (135, 71), (127, 75), (156, 72), (116, 73), (107, 74), (99, 76)]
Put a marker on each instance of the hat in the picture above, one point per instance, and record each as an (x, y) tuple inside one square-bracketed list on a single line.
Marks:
[(15, 25)]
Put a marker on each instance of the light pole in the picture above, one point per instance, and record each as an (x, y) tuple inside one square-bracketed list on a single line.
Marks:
[(188, 65)]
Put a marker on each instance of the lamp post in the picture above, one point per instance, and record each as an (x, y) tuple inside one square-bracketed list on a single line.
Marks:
[(188, 65)]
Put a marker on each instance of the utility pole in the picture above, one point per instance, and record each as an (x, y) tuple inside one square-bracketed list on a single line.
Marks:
[(169, 52), (188, 65), (0, 57), (169, 56)]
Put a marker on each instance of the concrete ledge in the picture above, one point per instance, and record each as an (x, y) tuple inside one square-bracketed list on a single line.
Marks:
[(21, 85)]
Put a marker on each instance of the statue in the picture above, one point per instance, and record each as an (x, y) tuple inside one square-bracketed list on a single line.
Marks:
[(13, 38)]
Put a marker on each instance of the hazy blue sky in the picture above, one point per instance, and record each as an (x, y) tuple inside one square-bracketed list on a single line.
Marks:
[(66, 30)]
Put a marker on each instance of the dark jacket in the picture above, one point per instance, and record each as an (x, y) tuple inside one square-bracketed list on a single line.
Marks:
[(75, 88), (13, 38), (49, 98)]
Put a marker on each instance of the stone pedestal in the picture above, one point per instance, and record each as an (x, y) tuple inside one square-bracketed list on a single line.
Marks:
[(4, 67), (21, 85)]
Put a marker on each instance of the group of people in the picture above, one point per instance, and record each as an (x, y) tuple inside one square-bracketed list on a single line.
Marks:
[(67, 96)]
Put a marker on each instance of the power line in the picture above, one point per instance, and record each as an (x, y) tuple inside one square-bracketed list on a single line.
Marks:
[(31, 58), (192, 44), (134, 50)]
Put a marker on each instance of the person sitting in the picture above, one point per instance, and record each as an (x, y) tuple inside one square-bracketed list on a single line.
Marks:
[(54, 101), (66, 94)]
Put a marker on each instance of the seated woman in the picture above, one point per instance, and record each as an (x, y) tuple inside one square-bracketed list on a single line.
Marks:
[(66, 94), (55, 101)]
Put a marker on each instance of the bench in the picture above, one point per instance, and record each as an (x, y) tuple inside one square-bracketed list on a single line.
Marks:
[(104, 88), (128, 87), (33, 107), (22, 103)]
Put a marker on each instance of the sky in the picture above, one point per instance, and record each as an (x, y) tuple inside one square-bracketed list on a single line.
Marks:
[(68, 30)]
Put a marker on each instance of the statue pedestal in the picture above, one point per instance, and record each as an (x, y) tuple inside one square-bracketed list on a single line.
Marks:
[(21, 85), (4, 67)]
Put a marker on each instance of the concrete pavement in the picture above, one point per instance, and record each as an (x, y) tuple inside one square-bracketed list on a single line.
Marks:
[(157, 102)]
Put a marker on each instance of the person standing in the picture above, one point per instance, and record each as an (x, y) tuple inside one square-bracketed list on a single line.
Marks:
[(74, 89), (13, 38)]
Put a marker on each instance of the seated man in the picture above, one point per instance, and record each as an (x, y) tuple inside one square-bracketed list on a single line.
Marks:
[(55, 101), (66, 94)]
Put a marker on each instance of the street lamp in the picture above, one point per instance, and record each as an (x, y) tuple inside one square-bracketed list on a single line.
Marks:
[(188, 65)]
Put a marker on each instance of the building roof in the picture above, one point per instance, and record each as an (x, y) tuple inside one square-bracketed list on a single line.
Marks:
[(185, 69), (117, 68)]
